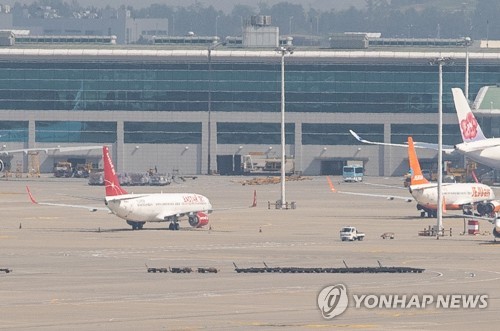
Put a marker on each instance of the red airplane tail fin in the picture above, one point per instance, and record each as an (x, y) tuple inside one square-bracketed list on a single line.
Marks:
[(416, 173), (111, 181)]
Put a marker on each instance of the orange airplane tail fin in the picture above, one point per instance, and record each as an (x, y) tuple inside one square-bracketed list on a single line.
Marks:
[(416, 173)]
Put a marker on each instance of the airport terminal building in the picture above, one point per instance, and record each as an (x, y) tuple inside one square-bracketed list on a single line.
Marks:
[(189, 110)]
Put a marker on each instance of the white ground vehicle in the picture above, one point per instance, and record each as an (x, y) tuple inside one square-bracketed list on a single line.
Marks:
[(353, 173), (350, 233)]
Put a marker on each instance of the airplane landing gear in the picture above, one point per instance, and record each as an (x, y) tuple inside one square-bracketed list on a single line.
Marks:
[(173, 226), (136, 225), (429, 213), (423, 211)]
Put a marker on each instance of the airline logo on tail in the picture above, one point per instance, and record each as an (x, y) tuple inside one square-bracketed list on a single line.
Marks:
[(469, 127), (416, 173), (111, 181)]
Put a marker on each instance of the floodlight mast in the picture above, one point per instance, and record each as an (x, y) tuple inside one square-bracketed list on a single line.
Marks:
[(468, 42), (439, 208), (209, 106), (283, 50)]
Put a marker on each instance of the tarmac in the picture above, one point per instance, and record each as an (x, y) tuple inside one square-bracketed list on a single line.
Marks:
[(73, 269)]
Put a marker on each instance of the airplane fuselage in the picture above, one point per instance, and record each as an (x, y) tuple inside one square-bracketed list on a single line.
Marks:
[(455, 195), (156, 207), (486, 152)]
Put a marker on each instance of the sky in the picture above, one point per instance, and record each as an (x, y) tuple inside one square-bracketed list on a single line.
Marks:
[(224, 5)]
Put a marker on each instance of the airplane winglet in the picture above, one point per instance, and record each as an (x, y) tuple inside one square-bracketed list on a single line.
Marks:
[(30, 195), (364, 141), (330, 183), (355, 135)]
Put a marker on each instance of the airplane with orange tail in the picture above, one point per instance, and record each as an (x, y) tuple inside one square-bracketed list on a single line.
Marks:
[(456, 196), (137, 209)]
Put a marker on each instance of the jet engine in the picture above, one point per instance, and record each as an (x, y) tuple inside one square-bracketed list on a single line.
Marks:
[(487, 207), (198, 220)]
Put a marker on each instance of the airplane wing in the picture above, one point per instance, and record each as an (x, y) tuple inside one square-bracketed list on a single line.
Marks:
[(446, 148), (50, 149), (46, 150), (89, 208), (364, 141), (167, 216), (388, 197), (492, 220)]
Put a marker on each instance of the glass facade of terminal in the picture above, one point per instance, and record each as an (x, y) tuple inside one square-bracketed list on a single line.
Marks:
[(75, 132), (254, 133), (232, 86), (14, 131), (162, 133)]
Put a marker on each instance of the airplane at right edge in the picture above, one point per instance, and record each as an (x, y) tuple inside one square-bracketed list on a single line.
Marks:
[(456, 196), (475, 145)]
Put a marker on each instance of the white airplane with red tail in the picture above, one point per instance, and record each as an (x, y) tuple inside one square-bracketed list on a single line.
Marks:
[(137, 209)]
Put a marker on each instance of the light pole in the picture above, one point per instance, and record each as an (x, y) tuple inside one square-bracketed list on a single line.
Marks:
[(209, 106), (173, 25), (216, 23), (467, 42), (283, 51), (439, 208), (290, 25)]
